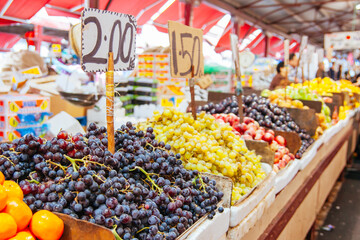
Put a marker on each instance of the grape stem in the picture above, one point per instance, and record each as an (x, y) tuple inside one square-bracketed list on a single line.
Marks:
[(32, 179), (56, 164), (142, 229), (94, 175), (8, 159), (201, 181), (76, 167), (73, 163), (117, 237), (149, 178)]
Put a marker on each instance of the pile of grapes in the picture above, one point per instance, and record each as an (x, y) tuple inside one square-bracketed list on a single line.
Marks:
[(140, 192), (266, 114), (208, 146)]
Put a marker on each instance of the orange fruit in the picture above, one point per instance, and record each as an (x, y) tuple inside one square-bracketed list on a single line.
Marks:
[(3, 197), (46, 226), (13, 190), (2, 178), (19, 211), (24, 235), (8, 226)]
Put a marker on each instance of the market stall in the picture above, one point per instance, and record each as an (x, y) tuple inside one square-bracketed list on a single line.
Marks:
[(101, 139)]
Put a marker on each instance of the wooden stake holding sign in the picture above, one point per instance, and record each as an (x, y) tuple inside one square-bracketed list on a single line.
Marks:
[(187, 60), (286, 61), (234, 40), (108, 45)]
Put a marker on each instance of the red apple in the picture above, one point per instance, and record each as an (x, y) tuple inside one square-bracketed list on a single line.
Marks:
[(291, 156), (243, 127), (220, 120), (259, 132), (268, 137), (248, 120), (250, 132), (271, 132), (282, 164), (274, 146), (277, 157), (246, 137), (262, 129), (237, 127), (258, 136), (280, 140), (286, 158)]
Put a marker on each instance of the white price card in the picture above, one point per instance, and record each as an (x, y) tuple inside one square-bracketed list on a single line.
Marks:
[(186, 51), (320, 55), (304, 41), (103, 32), (310, 53)]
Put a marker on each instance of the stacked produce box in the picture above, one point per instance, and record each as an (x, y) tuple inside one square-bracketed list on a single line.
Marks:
[(165, 90), (22, 114)]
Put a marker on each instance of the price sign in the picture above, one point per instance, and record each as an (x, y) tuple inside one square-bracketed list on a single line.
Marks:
[(103, 32), (186, 51), (303, 44), (310, 53)]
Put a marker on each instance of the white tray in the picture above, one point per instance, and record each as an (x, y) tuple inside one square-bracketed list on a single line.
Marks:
[(213, 229), (240, 211), (237, 232), (286, 175)]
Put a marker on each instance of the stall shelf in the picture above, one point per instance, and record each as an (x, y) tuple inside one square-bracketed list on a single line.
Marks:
[(294, 209)]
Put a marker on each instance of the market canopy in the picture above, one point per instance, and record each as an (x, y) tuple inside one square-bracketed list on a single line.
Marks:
[(19, 10), (142, 10), (288, 17), (204, 16), (254, 39)]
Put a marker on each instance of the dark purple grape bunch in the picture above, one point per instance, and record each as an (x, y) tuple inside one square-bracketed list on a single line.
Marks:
[(266, 114), (15, 157), (140, 192)]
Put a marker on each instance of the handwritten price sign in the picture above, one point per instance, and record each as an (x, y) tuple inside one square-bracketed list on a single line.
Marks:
[(186, 51), (103, 32)]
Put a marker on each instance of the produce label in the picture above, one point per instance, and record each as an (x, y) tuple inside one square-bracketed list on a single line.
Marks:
[(56, 48), (103, 32), (186, 51)]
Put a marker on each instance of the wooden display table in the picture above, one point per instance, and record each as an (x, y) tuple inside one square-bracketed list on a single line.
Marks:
[(294, 210)]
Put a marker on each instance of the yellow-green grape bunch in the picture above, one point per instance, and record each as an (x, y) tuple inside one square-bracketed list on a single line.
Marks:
[(208, 146)]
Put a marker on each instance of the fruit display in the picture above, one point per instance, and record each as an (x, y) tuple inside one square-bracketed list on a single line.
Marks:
[(17, 220), (266, 114), (142, 191), (326, 86), (251, 130), (209, 146), (300, 93)]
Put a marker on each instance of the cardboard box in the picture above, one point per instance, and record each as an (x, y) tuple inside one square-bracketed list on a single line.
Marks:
[(58, 104)]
